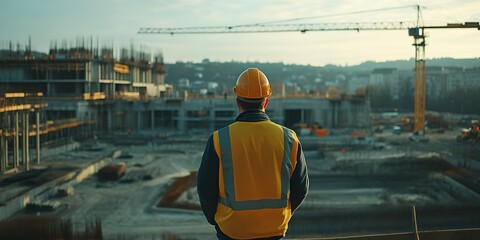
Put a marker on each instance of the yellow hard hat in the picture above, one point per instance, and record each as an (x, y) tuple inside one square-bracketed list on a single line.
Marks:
[(252, 84)]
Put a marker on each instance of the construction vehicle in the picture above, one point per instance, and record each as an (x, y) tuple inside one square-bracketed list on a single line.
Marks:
[(470, 134), (316, 129)]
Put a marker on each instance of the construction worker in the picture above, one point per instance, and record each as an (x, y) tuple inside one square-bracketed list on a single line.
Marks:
[(253, 174)]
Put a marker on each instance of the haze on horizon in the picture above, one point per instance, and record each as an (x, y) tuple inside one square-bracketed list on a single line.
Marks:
[(117, 23)]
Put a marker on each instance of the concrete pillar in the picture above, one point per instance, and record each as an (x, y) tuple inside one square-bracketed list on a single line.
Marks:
[(27, 145), (211, 119), (139, 120), (334, 113), (3, 154), (6, 153), (128, 122), (302, 115), (280, 112), (337, 109), (23, 139), (350, 111), (152, 119), (48, 89), (317, 116), (366, 113), (15, 142), (24, 142), (37, 116), (109, 120), (113, 88), (181, 120)]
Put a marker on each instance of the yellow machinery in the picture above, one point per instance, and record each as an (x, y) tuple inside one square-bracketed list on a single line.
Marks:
[(471, 133)]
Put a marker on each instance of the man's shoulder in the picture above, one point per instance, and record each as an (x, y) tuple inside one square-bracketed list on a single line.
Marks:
[(221, 129), (291, 132), (287, 129), (215, 134)]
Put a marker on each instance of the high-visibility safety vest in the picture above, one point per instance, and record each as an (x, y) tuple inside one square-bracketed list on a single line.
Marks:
[(257, 160)]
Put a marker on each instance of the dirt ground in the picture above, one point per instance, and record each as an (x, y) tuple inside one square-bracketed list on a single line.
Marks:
[(365, 186)]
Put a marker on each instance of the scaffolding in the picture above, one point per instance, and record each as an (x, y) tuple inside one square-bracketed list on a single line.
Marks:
[(22, 122)]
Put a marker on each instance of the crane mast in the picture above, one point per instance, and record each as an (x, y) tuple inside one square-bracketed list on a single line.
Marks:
[(418, 34), (420, 78)]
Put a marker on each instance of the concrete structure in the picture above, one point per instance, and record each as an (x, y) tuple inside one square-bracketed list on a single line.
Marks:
[(207, 113), (128, 93), (13, 204), (86, 90), (214, 113), (65, 89), (15, 114), (78, 74)]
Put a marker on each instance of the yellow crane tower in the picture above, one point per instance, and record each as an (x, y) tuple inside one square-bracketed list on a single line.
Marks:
[(415, 29), (418, 34)]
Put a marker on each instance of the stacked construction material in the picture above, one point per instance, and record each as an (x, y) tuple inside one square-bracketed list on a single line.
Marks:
[(39, 206), (112, 171), (67, 191), (174, 192)]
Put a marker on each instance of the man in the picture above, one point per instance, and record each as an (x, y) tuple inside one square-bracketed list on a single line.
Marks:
[(253, 174)]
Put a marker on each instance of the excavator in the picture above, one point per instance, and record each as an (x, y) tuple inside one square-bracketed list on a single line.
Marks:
[(471, 133)]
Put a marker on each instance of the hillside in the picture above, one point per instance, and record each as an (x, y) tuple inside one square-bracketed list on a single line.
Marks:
[(228, 71)]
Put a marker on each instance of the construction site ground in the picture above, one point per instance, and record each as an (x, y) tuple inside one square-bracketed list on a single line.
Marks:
[(357, 186)]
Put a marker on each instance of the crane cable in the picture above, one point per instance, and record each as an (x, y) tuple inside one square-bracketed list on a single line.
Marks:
[(327, 15)]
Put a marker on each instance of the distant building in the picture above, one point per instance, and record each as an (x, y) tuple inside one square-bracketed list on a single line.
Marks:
[(472, 77), (436, 82), (184, 83), (387, 79), (358, 84), (441, 81)]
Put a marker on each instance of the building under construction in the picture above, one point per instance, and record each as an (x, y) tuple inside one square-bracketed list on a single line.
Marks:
[(76, 92), (128, 93)]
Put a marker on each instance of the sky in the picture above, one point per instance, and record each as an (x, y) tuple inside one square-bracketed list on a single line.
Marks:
[(116, 22)]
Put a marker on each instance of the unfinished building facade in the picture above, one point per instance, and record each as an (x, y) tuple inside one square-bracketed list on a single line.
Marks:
[(127, 92)]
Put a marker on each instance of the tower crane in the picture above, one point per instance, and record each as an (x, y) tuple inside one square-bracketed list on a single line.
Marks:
[(415, 29)]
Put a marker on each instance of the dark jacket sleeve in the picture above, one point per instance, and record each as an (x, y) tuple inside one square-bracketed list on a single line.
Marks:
[(207, 182), (299, 182)]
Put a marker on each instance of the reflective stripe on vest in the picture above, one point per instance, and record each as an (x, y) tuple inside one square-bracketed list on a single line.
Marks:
[(229, 182)]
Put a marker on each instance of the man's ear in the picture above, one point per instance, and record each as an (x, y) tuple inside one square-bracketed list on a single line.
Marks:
[(266, 103), (238, 105)]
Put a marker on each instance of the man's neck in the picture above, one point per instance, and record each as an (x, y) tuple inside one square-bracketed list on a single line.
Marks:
[(242, 111)]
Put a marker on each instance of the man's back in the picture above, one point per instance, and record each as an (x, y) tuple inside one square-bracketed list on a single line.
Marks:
[(253, 173), (258, 149)]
